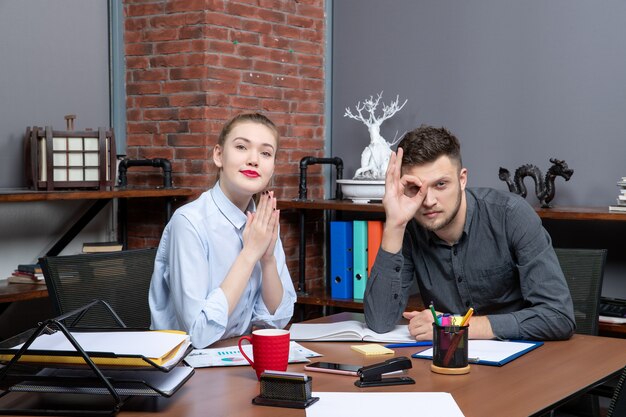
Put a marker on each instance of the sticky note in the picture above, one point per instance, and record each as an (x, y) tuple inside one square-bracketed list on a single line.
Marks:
[(371, 349)]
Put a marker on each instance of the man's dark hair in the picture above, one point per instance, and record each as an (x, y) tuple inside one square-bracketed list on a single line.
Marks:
[(427, 143)]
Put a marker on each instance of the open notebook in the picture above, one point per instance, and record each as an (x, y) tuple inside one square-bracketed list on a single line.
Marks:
[(347, 331)]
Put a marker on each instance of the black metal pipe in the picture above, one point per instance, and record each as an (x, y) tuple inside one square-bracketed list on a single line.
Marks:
[(302, 196), (162, 163), (312, 160)]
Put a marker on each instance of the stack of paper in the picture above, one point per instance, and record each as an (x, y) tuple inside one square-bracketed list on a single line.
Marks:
[(118, 348)]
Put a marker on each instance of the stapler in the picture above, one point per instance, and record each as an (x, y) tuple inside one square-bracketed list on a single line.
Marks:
[(371, 375)]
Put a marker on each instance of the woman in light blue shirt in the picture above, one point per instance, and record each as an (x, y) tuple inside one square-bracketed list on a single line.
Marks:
[(220, 263)]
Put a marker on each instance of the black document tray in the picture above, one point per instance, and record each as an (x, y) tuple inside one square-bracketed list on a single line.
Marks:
[(116, 384)]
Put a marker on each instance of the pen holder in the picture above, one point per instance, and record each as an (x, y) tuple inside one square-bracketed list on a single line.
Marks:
[(285, 391), (450, 350)]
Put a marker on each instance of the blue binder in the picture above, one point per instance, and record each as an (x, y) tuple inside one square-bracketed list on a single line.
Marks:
[(360, 257), (341, 259)]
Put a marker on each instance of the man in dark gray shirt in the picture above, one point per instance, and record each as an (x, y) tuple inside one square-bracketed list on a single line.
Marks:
[(479, 248)]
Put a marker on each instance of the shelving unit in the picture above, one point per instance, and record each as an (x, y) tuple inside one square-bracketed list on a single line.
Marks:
[(322, 297)]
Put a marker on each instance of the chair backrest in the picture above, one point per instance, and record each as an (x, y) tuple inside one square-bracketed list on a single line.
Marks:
[(584, 270), (122, 279)]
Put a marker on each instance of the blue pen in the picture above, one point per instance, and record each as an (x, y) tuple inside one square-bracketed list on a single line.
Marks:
[(412, 344)]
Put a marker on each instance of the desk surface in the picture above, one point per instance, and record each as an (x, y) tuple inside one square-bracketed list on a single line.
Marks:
[(525, 387)]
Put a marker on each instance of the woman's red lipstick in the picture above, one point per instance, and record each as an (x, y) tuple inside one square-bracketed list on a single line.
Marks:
[(251, 174)]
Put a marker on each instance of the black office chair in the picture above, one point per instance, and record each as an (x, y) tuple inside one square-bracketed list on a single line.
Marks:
[(584, 271), (122, 279)]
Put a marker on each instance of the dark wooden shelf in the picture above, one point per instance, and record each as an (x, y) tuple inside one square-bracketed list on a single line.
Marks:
[(319, 297), (9, 195), (21, 292), (343, 205), (556, 213)]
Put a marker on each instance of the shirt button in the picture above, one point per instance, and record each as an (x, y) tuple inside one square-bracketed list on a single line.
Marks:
[(397, 269), (467, 304), (460, 279), (454, 251), (395, 296)]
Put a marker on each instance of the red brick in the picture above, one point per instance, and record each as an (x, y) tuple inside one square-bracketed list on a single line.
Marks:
[(290, 82), (169, 20), (181, 86), (192, 32), (185, 5), (152, 101), (191, 113), (137, 62), (167, 34), (188, 73), (259, 91), (300, 21), (150, 75), (312, 11), (245, 102), (160, 114), (311, 72), (241, 38), (139, 140), (257, 26), (202, 59), (168, 61), (143, 9), (131, 24), (274, 105), (173, 47), (219, 86), (224, 47), (174, 127), (143, 88), (236, 62), (141, 127), (282, 5), (275, 68), (224, 20), (184, 139), (224, 74), (258, 78), (305, 47), (200, 45), (199, 126), (138, 49), (200, 153), (184, 100)]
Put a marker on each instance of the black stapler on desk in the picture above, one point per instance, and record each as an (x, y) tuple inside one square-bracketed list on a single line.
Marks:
[(371, 376)]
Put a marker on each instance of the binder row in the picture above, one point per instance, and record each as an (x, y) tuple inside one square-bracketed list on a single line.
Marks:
[(353, 248)]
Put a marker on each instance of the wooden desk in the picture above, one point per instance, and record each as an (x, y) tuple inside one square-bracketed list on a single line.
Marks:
[(527, 386), (21, 292)]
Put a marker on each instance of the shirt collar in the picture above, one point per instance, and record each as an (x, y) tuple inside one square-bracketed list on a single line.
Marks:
[(235, 216)]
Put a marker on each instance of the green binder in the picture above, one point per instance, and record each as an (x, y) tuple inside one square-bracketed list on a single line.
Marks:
[(360, 257)]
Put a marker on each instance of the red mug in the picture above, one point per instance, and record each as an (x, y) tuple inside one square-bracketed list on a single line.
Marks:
[(270, 349)]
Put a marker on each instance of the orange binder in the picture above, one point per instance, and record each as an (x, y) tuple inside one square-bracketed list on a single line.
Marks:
[(374, 237)]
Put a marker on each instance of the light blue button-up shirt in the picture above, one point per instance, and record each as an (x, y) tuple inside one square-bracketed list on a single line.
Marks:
[(197, 249)]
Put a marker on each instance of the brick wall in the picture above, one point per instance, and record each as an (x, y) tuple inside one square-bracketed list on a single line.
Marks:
[(192, 64)]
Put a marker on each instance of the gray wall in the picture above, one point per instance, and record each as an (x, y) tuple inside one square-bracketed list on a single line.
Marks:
[(54, 60), (517, 81)]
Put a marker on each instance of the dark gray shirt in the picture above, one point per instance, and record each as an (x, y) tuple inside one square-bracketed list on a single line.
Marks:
[(503, 266)]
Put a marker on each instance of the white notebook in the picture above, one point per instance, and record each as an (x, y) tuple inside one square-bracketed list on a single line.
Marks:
[(347, 331)]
